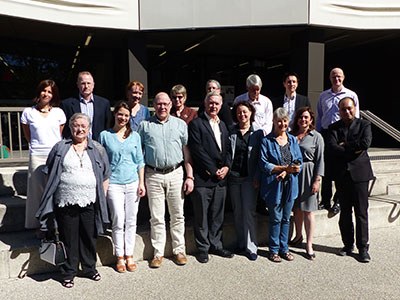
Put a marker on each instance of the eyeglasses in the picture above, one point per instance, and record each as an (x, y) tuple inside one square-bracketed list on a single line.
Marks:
[(178, 97)]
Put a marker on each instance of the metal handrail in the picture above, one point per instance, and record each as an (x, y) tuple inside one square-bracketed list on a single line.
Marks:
[(378, 122)]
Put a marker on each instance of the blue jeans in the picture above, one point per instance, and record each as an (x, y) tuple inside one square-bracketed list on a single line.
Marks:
[(279, 222)]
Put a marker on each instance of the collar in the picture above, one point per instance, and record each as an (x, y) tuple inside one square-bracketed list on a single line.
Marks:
[(287, 99), (81, 99), (159, 121), (339, 92), (216, 120)]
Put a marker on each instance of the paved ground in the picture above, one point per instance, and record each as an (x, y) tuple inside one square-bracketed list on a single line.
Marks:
[(328, 277)]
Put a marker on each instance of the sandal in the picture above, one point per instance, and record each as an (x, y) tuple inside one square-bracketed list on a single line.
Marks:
[(120, 266), (310, 256), (68, 283), (96, 277), (130, 263), (287, 256), (274, 257), (296, 241)]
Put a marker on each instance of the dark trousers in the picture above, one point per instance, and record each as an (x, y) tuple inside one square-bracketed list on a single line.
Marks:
[(208, 210), (326, 186), (78, 232), (353, 194)]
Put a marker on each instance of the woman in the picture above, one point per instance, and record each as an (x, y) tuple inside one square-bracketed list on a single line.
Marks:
[(78, 172), (178, 96), (126, 186), (280, 164), (312, 148), (243, 180), (139, 112), (42, 125)]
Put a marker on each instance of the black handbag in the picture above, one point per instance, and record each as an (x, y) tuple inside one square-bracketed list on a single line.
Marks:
[(53, 251)]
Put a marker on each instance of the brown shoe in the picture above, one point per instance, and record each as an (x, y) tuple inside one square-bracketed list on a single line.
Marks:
[(120, 266), (130, 263), (156, 262), (180, 259)]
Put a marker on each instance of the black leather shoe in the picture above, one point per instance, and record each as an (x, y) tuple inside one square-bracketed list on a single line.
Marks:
[(346, 251), (222, 253), (251, 256), (202, 258), (364, 256), (334, 210)]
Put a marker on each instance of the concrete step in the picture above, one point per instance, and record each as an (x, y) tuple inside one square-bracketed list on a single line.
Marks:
[(12, 213), (383, 180), (13, 180), (386, 166), (19, 251), (393, 189)]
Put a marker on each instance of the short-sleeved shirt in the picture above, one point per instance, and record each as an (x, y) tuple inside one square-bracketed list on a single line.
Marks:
[(45, 131), (163, 141)]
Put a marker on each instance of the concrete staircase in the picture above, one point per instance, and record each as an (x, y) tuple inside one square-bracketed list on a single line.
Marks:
[(19, 247)]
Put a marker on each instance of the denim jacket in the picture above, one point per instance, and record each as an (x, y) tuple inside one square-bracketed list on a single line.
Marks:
[(271, 188)]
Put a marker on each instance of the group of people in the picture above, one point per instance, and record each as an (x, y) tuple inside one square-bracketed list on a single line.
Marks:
[(101, 164)]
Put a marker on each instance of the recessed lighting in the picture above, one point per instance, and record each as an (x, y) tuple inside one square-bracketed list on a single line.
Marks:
[(88, 39), (192, 47)]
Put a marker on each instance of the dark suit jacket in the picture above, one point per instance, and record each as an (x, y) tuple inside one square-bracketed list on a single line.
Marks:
[(301, 101), (352, 154), (101, 114), (206, 155)]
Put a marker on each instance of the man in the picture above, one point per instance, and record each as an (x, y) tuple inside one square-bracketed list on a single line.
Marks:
[(164, 140), (209, 146), (328, 113), (348, 142), (225, 112), (291, 101), (96, 107), (262, 104)]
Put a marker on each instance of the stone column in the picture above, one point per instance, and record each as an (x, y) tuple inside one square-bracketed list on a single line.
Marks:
[(137, 59)]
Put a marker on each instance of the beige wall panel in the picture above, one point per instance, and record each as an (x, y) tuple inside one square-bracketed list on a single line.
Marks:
[(176, 14), (359, 14), (121, 14)]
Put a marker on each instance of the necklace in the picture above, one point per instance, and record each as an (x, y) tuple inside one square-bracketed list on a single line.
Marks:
[(42, 110), (80, 156)]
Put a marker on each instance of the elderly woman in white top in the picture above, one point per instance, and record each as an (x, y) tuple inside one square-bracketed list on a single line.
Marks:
[(42, 125), (78, 172)]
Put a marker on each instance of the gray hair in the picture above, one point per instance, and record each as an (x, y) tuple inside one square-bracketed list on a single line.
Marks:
[(253, 80), (178, 89), (213, 81), (281, 114), (213, 94), (79, 116)]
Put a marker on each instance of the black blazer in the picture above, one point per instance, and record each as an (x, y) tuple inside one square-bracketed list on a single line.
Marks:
[(348, 149), (101, 114), (301, 101), (206, 155)]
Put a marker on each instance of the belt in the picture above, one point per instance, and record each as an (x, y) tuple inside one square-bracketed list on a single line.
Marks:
[(165, 170)]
